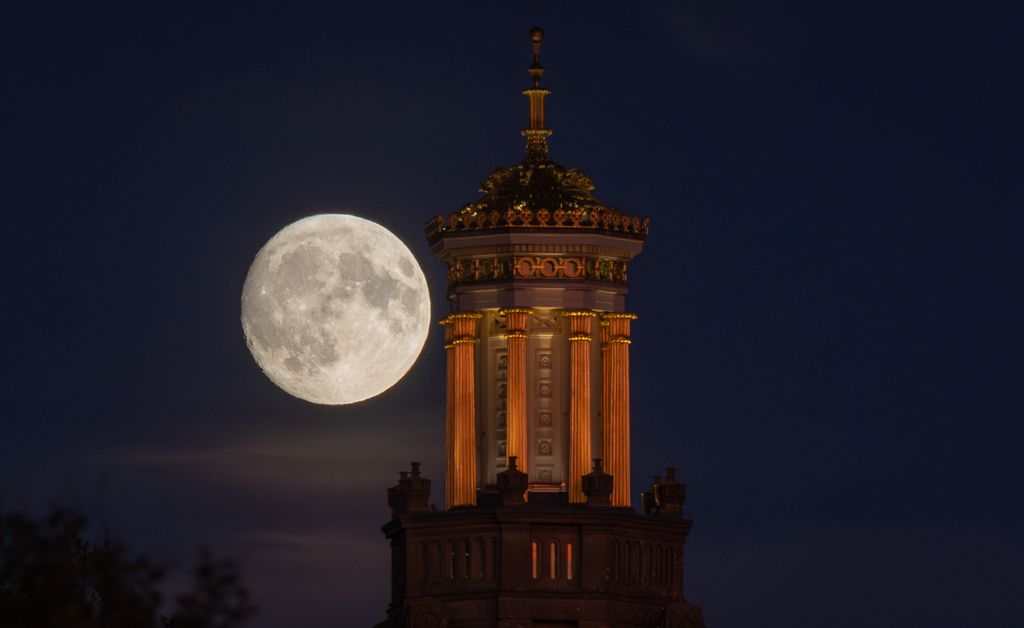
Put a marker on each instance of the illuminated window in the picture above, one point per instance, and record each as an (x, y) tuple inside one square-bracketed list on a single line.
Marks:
[(553, 559), (534, 550), (568, 561)]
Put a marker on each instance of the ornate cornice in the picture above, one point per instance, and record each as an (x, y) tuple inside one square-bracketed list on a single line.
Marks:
[(447, 320), (537, 194), (562, 248)]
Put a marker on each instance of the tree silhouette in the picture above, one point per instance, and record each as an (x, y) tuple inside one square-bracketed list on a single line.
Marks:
[(53, 577)]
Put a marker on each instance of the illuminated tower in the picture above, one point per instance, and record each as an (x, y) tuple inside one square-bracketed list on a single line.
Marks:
[(538, 525)]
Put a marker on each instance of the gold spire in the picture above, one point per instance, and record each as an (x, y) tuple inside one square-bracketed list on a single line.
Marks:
[(536, 135)]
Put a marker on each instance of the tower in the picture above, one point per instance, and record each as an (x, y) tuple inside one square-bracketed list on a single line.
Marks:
[(538, 527)]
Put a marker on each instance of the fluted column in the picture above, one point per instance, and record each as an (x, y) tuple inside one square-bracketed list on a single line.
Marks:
[(606, 405), (449, 413), (461, 441), (615, 384), (579, 401), (515, 412)]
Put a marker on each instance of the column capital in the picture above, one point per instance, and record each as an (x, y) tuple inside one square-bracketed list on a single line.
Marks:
[(451, 318), (458, 315), (464, 340), (571, 313), (607, 316)]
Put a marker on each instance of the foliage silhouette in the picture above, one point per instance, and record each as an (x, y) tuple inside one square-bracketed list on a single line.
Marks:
[(53, 577)]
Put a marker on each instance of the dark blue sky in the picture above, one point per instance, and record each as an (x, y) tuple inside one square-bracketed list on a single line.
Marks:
[(830, 335)]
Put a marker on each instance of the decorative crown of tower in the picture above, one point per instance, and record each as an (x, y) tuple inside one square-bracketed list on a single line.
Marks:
[(536, 193)]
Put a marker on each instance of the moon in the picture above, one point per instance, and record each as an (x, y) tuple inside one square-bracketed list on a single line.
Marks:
[(335, 309)]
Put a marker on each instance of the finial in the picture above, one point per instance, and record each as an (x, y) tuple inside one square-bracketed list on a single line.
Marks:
[(536, 135), (536, 70)]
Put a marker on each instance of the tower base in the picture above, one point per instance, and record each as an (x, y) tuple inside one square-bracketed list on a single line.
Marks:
[(538, 566)]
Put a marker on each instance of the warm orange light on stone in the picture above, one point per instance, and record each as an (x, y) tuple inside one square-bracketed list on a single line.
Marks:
[(616, 398), (449, 412), (579, 401), (461, 469), (517, 444)]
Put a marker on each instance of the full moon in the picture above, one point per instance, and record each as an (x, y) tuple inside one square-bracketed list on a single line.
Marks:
[(335, 309)]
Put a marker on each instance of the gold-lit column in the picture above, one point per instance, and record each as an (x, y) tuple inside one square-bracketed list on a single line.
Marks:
[(579, 402), (606, 405), (615, 387), (462, 443), (449, 414), (515, 412)]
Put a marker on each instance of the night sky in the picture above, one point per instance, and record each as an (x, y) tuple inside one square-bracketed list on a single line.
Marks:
[(830, 336)]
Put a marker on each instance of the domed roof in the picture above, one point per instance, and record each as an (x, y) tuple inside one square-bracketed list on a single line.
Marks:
[(537, 193), (540, 194)]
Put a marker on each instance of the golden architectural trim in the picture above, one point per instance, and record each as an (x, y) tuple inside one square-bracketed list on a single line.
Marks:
[(460, 433), (517, 442), (537, 193), (615, 403), (618, 315), (563, 248), (449, 415), (591, 218), (578, 313), (461, 341), (579, 402), (536, 136), (593, 268)]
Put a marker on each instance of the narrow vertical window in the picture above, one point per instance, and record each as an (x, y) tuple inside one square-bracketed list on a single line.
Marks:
[(481, 559), (436, 561), (568, 561), (534, 550), (645, 562), (451, 560), (553, 559)]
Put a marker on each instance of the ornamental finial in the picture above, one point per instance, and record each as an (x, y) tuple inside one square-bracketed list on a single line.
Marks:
[(536, 70), (536, 135)]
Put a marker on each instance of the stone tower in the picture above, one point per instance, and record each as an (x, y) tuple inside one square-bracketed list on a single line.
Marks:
[(538, 527)]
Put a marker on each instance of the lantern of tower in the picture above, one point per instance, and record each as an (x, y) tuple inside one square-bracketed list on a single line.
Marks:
[(538, 335)]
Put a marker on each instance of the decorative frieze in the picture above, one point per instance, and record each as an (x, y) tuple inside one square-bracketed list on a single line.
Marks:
[(537, 267)]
